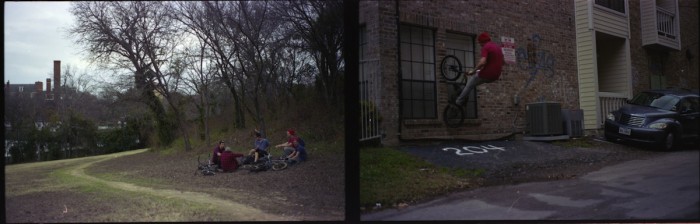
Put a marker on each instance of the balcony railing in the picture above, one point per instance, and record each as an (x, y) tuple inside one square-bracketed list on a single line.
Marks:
[(665, 24)]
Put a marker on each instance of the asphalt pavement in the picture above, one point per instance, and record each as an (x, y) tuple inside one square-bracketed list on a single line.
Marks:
[(494, 155), (662, 187)]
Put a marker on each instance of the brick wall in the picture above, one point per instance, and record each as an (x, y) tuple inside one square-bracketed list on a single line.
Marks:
[(547, 25)]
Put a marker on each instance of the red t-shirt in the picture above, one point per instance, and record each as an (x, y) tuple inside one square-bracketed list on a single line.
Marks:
[(494, 61), (292, 139)]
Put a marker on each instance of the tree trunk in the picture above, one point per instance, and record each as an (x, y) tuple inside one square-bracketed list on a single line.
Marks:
[(239, 116)]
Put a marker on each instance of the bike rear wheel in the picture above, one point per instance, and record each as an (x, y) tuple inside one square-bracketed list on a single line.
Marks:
[(451, 68), (453, 116)]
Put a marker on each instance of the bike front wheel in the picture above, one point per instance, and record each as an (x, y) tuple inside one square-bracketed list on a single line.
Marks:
[(279, 166), (453, 115), (451, 68)]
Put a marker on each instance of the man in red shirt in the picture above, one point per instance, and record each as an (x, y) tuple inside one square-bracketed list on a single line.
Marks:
[(288, 146), (488, 69)]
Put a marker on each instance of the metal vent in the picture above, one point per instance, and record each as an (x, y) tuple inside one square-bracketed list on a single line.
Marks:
[(544, 118), (631, 120), (573, 122)]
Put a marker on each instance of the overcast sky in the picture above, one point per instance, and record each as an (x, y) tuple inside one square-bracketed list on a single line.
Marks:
[(35, 36)]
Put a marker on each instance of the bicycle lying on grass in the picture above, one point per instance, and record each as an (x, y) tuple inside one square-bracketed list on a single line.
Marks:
[(266, 163), (206, 168)]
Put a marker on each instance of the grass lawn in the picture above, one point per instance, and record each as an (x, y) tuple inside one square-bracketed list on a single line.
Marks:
[(585, 142), (391, 177)]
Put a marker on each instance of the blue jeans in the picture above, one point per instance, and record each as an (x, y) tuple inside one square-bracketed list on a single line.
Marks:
[(471, 84), (288, 151)]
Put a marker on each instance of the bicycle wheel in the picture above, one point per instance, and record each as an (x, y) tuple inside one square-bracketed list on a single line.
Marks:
[(453, 115), (279, 166), (451, 68), (245, 166)]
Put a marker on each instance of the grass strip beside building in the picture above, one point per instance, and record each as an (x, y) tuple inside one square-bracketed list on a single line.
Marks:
[(390, 177)]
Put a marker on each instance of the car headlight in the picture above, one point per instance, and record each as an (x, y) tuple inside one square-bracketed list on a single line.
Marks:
[(610, 116), (658, 125)]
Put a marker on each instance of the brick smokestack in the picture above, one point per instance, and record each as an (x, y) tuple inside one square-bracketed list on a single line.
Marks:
[(57, 77), (48, 86), (38, 87)]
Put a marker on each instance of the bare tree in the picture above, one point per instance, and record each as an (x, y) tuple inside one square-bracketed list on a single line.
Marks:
[(259, 57), (199, 78), (248, 46), (141, 37), (207, 21), (320, 24)]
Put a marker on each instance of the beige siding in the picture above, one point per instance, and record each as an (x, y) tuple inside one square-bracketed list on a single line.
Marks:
[(669, 42), (648, 21), (586, 65), (612, 66), (610, 22)]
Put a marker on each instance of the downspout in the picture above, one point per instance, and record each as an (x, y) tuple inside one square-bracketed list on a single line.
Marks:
[(398, 60)]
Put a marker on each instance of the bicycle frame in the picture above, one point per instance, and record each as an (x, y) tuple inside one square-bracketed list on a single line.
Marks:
[(451, 69)]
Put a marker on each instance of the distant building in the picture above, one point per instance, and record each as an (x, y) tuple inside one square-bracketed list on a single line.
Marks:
[(37, 89), (36, 93)]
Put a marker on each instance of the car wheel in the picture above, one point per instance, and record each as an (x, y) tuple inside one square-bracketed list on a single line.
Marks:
[(670, 141)]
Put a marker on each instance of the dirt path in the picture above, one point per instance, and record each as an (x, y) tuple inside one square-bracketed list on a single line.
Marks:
[(18, 196), (237, 210)]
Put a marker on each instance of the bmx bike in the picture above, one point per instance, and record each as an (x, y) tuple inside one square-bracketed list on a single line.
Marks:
[(206, 168), (266, 163), (451, 70)]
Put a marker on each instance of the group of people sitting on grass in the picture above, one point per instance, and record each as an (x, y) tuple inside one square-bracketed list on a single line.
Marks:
[(226, 160)]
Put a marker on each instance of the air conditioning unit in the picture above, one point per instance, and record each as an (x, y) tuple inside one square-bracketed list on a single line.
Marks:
[(544, 119), (573, 122)]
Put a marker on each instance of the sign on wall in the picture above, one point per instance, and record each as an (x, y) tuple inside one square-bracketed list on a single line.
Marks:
[(508, 48)]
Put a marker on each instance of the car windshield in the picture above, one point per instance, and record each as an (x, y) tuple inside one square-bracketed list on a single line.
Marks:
[(657, 100)]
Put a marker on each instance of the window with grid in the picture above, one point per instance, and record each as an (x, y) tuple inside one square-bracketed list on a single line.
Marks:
[(462, 47), (418, 94), (617, 5)]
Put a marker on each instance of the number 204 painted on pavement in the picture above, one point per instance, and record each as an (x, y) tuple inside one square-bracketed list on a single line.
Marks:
[(471, 150)]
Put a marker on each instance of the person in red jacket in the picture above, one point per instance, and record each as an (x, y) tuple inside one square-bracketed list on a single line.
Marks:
[(489, 67), (228, 160)]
